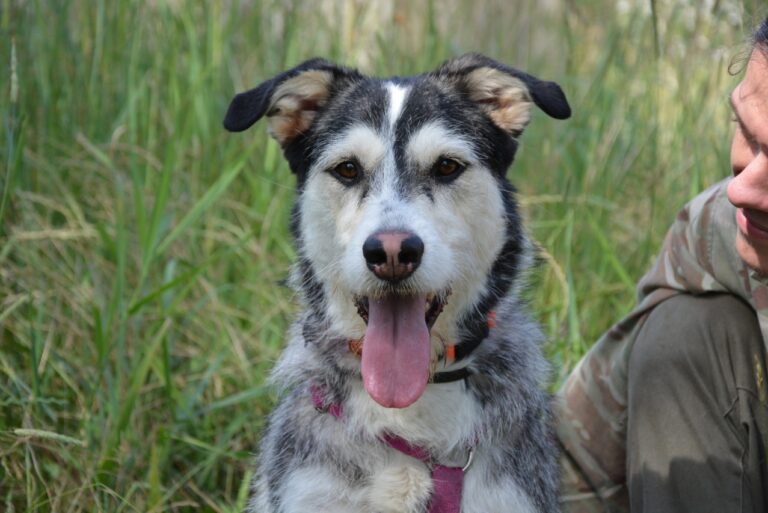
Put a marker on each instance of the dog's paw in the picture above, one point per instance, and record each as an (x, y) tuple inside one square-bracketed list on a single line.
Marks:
[(404, 486)]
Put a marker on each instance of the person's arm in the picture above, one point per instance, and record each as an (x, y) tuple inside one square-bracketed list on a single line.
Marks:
[(697, 257)]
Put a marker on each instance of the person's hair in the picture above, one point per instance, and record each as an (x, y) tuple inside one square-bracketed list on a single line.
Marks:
[(760, 37), (758, 41)]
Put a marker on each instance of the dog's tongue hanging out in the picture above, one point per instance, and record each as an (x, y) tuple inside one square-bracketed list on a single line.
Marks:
[(396, 350)]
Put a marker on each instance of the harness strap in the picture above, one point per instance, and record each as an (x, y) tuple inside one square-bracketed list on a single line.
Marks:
[(447, 482), (322, 405)]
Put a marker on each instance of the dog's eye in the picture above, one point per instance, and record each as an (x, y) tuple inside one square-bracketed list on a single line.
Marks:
[(447, 169), (347, 171)]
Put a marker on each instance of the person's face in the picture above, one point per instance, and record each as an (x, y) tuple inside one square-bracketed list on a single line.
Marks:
[(748, 191)]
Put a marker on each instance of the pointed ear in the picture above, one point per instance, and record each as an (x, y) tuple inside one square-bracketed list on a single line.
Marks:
[(506, 94), (290, 100)]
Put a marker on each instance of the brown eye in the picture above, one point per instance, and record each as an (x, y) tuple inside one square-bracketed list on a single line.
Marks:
[(448, 169), (347, 171)]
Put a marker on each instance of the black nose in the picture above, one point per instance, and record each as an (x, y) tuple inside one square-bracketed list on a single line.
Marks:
[(392, 255)]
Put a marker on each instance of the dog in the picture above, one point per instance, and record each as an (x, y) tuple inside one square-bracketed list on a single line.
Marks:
[(413, 377)]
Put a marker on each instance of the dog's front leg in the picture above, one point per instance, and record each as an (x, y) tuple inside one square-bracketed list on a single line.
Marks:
[(489, 487), (403, 485), (317, 490)]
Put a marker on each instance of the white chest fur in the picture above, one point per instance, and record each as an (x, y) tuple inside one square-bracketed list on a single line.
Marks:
[(444, 420)]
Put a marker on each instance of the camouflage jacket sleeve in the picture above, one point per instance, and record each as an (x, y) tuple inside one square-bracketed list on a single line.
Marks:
[(698, 256)]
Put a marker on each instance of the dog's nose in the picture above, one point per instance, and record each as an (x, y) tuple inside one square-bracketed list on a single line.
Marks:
[(392, 255)]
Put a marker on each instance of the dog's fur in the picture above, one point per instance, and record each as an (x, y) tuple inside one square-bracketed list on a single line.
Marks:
[(470, 110)]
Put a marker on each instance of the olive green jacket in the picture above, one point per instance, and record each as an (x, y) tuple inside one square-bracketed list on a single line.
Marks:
[(698, 256)]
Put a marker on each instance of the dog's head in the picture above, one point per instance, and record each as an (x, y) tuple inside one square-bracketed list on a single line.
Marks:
[(402, 201)]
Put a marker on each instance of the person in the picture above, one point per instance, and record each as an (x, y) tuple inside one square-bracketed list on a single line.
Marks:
[(668, 411)]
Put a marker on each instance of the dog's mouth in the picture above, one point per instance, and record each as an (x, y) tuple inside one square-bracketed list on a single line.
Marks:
[(433, 306), (396, 349)]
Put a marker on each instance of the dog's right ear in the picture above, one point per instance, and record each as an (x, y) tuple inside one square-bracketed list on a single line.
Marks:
[(505, 94), (290, 100)]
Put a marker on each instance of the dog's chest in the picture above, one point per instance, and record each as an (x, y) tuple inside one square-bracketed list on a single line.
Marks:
[(445, 420)]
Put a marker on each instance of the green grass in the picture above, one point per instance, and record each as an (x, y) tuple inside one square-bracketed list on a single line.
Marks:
[(141, 246)]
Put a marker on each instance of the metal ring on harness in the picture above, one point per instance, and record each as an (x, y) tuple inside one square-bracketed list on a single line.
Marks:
[(470, 457)]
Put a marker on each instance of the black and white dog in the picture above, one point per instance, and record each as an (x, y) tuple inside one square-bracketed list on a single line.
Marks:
[(414, 374)]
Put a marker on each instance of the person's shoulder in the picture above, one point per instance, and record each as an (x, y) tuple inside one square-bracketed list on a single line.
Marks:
[(706, 227), (709, 202), (709, 210)]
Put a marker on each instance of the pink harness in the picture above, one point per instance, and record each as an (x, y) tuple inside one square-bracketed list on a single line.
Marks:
[(447, 482)]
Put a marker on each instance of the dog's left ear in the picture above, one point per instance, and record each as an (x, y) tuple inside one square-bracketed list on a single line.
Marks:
[(505, 93), (290, 100)]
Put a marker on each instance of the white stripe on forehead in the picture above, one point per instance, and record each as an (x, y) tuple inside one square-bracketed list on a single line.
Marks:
[(397, 96)]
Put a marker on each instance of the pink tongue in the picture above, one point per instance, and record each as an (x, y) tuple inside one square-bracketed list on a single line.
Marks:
[(396, 350)]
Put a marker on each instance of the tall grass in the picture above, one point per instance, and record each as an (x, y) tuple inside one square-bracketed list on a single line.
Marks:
[(142, 247)]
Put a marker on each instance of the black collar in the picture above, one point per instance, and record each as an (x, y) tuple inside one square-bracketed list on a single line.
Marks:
[(461, 352)]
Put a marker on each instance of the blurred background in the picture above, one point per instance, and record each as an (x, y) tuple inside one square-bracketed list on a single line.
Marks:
[(141, 246)]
